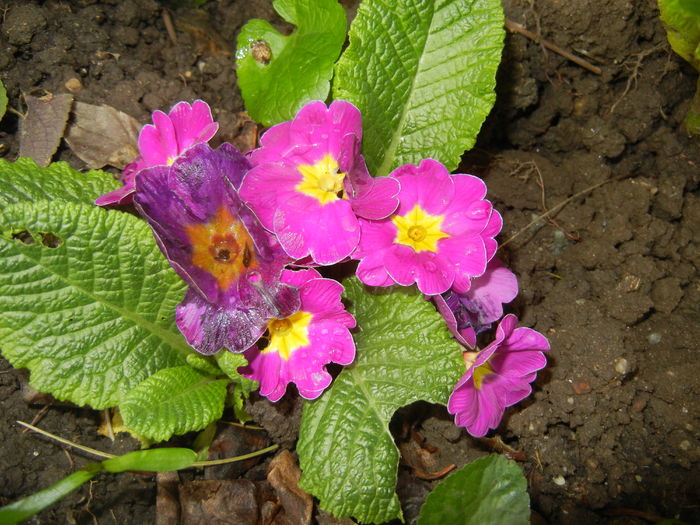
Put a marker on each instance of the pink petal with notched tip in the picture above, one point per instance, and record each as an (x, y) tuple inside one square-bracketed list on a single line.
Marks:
[(429, 185), (193, 124)]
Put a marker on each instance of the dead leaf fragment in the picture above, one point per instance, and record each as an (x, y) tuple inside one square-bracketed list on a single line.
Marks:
[(102, 135), (284, 474), (42, 129), (167, 503), (224, 502)]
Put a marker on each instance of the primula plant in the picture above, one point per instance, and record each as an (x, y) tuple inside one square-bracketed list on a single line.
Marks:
[(204, 267)]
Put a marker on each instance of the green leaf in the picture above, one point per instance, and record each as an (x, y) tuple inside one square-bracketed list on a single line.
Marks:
[(423, 73), (31, 505), (229, 363), (487, 491), (289, 70), (682, 22), (681, 18), (89, 308), (173, 401), (23, 180), (203, 364), (153, 460), (404, 353), (3, 100)]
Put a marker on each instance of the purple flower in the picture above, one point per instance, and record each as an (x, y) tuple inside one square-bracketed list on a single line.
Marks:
[(440, 236), (309, 183), (471, 313), (301, 345), (162, 142), (216, 244), (499, 377)]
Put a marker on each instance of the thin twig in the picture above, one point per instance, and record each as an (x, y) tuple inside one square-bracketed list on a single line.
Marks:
[(39, 415), (89, 450), (559, 206), (514, 27), (106, 455), (169, 27)]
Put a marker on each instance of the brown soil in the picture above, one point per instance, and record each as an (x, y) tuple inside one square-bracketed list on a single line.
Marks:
[(612, 433)]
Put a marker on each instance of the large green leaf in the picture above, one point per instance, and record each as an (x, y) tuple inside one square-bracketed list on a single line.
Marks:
[(681, 18), (23, 180), (91, 317), (404, 353), (277, 74), (423, 73), (682, 22), (173, 401), (488, 491), (3, 99)]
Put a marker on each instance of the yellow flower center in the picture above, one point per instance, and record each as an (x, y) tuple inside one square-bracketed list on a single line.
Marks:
[(322, 181), (288, 334), (480, 372), (222, 247), (419, 230)]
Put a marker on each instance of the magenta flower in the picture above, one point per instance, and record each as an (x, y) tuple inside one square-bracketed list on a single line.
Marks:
[(499, 377), (471, 313), (439, 238), (300, 346), (216, 244), (162, 142), (309, 183)]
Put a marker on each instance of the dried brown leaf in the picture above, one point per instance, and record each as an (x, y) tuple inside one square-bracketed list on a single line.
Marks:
[(43, 127), (224, 502), (283, 474), (102, 135)]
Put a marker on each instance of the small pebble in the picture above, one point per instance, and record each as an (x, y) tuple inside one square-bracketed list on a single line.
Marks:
[(684, 445), (559, 481), (74, 85), (654, 338), (638, 478), (622, 366), (570, 400)]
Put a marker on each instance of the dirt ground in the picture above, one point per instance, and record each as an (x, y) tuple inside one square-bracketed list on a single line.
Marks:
[(612, 433)]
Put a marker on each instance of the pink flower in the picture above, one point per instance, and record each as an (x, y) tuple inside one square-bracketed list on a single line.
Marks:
[(499, 377), (300, 346), (309, 183), (439, 238), (471, 313), (164, 141)]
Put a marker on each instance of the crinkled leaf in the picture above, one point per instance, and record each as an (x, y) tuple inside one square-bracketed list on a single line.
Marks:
[(89, 308), (404, 354), (3, 99), (277, 74), (230, 363), (23, 180), (102, 135), (42, 129), (487, 491), (203, 364), (423, 73), (173, 401)]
